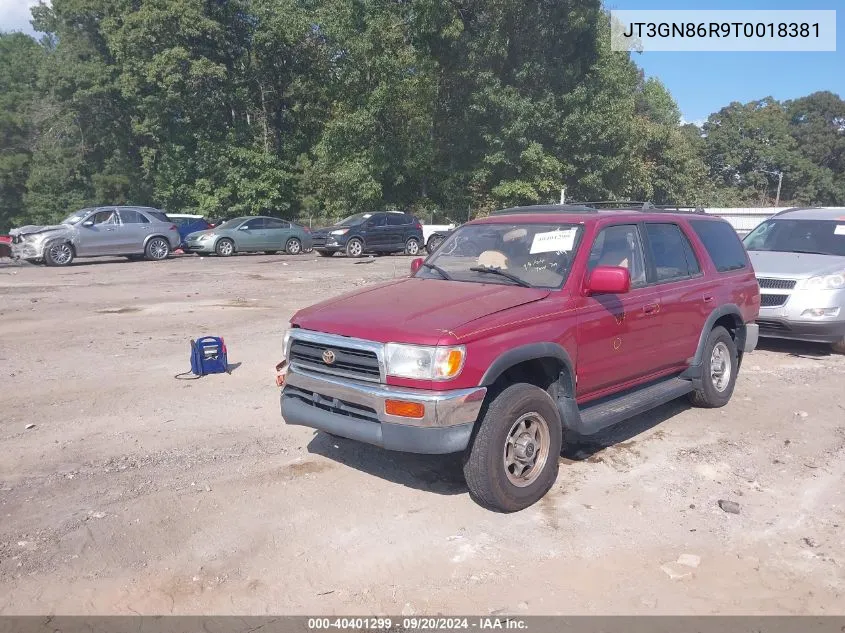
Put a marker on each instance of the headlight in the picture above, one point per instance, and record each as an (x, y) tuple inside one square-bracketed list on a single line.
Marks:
[(340, 232), (424, 362), (826, 282), (208, 236)]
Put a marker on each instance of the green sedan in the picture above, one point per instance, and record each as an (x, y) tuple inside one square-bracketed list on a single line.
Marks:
[(251, 234)]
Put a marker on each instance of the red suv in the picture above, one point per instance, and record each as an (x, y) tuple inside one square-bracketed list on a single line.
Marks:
[(522, 325)]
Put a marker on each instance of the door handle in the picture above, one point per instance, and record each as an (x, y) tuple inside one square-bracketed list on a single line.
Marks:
[(651, 308), (109, 228), (708, 298)]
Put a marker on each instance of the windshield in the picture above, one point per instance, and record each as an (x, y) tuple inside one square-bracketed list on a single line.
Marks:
[(538, 255), (76, 216), (230, 224), (825, 237), (353, 220)]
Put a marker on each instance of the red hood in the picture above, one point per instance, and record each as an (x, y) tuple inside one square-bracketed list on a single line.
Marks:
[(412, 310)]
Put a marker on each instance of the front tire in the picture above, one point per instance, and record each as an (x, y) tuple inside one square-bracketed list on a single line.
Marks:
[(157, 249), (412, 247), (58, 254), (512, 461), (293, 246), (719, 371), (224, 248), (354, 247)]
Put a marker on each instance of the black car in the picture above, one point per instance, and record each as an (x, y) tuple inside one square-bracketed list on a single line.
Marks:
[(384, 232)]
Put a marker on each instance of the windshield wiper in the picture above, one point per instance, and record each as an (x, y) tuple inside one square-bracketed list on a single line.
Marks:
[(438, 270), (809, 252), (502, 273)]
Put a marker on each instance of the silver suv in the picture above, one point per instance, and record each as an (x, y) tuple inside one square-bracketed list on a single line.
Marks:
[(799, 259), (135, 232)]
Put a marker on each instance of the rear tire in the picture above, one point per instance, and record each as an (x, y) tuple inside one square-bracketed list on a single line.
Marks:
[(157, 249), (354, 247), (224, 248), (293, 246), (58, 254), (719, 370), (839, 346), (512, 461), (433, 242), (412, 247)]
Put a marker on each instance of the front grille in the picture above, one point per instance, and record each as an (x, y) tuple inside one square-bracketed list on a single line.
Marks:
[(332, 405), (352, 363), (771, 326), (772, 301), (318, 240), (776, 284)]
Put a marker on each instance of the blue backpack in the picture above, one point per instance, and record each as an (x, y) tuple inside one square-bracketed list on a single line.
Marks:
[(208, 356)]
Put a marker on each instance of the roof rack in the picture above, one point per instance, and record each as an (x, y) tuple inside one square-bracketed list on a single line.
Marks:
[(602, 205), (548, 208), (673, 208)]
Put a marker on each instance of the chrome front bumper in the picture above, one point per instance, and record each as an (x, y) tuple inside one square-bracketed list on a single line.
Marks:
[(356, 410)]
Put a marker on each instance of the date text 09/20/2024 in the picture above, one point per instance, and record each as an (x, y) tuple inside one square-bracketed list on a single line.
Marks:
[(416, 624)]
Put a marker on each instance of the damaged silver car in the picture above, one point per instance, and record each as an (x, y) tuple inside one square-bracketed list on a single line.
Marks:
[(134, 232)]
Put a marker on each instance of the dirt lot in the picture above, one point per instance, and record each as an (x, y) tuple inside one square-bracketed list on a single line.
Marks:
[(138, 493)]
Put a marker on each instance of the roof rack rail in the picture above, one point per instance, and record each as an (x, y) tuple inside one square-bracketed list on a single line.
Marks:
[(616, 204), (674, 208), (547, 208)]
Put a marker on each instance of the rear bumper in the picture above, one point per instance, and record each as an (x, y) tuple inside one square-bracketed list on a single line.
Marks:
[(811, 331), (356, 410), (751, 337)]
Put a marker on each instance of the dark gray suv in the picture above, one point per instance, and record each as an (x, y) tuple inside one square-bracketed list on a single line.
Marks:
[(135, 232)]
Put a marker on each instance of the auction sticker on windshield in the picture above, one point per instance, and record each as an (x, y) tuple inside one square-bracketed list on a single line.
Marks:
[(561, 240), (839, 230)]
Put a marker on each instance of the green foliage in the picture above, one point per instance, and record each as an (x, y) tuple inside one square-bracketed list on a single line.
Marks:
[(321, 108)]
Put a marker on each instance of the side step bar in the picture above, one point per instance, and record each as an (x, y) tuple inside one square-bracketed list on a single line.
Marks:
[(606, 412)]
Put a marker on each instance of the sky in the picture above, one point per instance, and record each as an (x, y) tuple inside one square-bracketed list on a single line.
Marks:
[(704, 82), (701, 82)]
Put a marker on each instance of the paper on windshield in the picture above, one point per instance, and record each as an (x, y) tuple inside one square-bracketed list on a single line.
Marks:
[(561, 240), (839, 230)]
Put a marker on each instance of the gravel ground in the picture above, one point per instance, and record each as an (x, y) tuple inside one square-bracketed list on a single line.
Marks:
[(137, 493)]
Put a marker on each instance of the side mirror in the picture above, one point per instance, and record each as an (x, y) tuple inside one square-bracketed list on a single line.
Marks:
[(88, 223), (416, 264), (609, 280)]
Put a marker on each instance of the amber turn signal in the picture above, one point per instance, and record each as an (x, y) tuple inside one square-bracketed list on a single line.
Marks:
[(404, 409)]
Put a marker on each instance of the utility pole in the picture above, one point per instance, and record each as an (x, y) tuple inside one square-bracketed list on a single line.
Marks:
[(779, 174), (563, 196)]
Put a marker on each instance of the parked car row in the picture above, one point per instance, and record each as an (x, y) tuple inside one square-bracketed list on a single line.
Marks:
[(145, 232)]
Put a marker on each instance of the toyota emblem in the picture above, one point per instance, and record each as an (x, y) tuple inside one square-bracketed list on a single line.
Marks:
[(329, 357)]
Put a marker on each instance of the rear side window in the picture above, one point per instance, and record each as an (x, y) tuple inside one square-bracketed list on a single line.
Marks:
[(722, 244), (671, 252), (273, 223), (398, 219), (130, 216), (158, 215)]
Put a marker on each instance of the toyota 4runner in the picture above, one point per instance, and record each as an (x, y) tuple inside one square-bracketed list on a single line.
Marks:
[(523, 325)]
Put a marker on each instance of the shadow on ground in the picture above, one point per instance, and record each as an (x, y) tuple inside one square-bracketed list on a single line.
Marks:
[(797, 349), (443, 474)]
